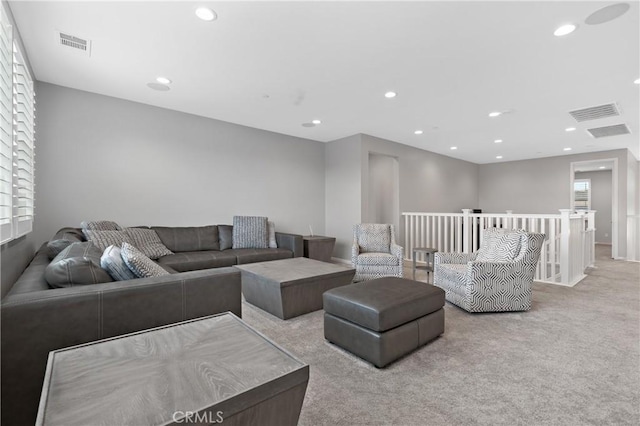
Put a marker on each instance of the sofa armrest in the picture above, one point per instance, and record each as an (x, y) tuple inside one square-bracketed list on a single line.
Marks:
[(293, 242), (35, 323), (453, 257)]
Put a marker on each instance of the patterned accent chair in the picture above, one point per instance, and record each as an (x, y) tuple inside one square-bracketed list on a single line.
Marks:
[(496, 278), (375, 253)]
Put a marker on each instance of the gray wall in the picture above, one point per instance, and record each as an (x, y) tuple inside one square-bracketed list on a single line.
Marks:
[(384, 190), (600, 201), (107, 158), (543, 186), (343, 191)]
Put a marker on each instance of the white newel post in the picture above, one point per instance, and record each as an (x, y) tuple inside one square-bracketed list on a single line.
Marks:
[(565, 236), (466, 225)]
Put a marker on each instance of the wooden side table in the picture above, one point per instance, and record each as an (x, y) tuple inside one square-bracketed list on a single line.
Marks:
[(318, 247), (429, 252)]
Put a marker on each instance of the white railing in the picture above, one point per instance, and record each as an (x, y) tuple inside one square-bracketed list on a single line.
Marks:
[(568, 249)]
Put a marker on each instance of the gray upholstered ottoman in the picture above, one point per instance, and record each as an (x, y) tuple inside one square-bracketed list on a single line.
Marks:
[(383, 319)]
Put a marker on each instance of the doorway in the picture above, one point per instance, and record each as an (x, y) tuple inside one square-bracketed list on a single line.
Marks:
[(384, 190), (594, 186)]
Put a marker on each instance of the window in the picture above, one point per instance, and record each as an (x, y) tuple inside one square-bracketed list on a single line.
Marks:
[(17, 138), (582, 194)]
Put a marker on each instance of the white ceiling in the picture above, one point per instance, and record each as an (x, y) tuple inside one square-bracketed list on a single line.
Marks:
[(276, 65)]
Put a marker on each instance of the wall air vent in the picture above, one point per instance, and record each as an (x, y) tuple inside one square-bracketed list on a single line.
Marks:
[(595, 113), (79, 45), (603, 132)]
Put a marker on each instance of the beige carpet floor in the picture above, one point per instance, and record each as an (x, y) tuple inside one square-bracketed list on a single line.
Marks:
[(573, 359)]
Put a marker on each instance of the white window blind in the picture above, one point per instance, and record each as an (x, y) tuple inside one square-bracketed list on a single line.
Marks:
[(17, 138), (6, 130)]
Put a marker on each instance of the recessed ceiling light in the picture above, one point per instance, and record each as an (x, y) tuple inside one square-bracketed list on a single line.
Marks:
[(564, 30), (390, 95), (499, 157), (316, 121), (602, 167), (206, 14), (566, 149), (495, 114), (569, 129), (454, 147), (498, 141), (637, 81), (418, 132), (163, 80)]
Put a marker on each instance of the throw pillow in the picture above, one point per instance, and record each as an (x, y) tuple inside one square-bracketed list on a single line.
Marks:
[(104, 239), (374, 238), (226, 236), (272, 234), (140, 265), (54, 247), (148, 242), (499, 245), (250, 232), (100, 225), (112, 262), (78, 264)]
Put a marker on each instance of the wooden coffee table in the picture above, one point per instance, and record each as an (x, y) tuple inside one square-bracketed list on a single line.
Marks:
[(291, 287), (215, 369)]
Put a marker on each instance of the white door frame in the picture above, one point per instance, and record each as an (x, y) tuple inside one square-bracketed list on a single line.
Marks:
[(614, 197)]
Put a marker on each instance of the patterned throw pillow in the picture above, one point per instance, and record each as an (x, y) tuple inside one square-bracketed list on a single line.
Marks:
[(374, 238), (250, 232), (112, 262), (148, 242), (140, 265), (100, 225), (272, 235), (104, 239), (499, 245)]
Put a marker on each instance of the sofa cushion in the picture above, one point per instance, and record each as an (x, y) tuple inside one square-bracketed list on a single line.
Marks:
[(148, 242), (250, 232), (112, 262), (54, 247), (194, 260), (499, 245), (140, 265), (100, 225), (78, 264), (193, 238), (259, 255), (104, 239), (225, 233)]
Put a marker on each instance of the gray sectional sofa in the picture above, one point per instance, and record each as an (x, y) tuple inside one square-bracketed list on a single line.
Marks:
[(36, 318)]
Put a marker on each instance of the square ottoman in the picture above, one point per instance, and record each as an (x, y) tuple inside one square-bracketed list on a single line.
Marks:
[(384, 319)]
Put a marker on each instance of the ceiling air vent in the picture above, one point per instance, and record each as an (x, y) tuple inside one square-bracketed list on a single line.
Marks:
[(78, 44), (603, 132), (594, 113)]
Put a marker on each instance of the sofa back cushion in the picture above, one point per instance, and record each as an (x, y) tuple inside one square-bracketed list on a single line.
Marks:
[(225, 233), (250, 232), (78, 264), (192, 238), (373, 237)]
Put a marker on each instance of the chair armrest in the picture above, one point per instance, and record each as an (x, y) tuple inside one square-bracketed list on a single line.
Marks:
[(482, 272), (293, 242), (355, 251), (397, 251), (453, 257)]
